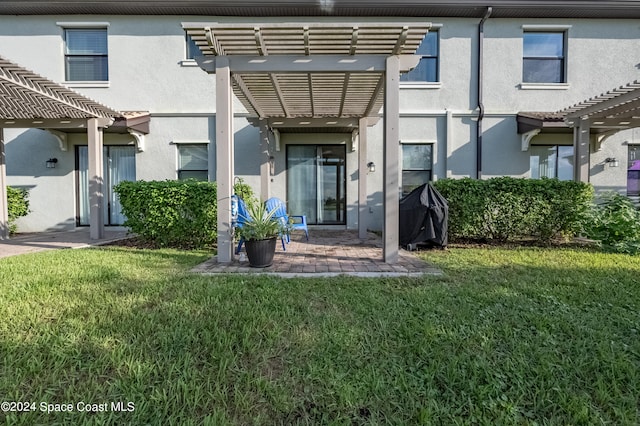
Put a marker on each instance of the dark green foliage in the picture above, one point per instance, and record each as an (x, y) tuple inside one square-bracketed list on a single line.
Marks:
[(615, 223), (171, 213), (508, 208), (174, 213), (18, 203)]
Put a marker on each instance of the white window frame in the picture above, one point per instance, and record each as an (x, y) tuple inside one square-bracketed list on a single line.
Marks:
[(187, 61), (429, 84), (431, 168), (178, 144), (549, 29), (64, 25)]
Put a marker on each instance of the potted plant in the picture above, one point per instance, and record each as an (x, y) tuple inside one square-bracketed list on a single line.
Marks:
[(260, 231)]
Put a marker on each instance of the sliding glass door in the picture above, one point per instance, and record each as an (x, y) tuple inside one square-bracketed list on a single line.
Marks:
[(316, 183), (119, 165)]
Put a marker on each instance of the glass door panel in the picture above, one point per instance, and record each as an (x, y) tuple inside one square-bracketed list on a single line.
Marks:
[(302, 181), (316, 183), (119, 165)]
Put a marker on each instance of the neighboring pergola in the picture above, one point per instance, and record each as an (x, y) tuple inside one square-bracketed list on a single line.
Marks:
[(601, 116), (309, 76), (28, 100), (608, 113)]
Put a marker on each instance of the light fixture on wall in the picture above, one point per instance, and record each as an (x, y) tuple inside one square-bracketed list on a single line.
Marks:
[(372, 167), (613, 162), (272, 165), (51, 163)]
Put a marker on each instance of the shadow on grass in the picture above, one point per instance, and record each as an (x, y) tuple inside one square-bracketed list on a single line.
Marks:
[(504, 343)]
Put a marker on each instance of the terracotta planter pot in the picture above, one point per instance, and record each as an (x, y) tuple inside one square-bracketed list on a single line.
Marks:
[(260, 252)]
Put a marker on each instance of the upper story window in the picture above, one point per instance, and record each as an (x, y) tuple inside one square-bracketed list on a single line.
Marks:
[(544, 58), (192, 48), (86, 57), (428, 68)]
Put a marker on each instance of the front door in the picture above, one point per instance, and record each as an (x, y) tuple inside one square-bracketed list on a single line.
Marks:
[(316, 183)]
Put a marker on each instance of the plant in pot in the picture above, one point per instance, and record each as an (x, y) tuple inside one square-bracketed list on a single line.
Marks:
[(260, 232)]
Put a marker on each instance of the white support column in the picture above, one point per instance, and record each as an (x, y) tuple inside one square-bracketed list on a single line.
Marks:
[(449, 143), (391, 150), (265, 161), (224, 157), (96, 180), (363, 170), (581, 151), (4, 204)]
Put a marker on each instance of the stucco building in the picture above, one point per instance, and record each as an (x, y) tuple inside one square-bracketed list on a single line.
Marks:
[(482, 101)]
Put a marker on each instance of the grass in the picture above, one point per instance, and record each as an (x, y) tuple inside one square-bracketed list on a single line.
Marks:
[(506, 336)]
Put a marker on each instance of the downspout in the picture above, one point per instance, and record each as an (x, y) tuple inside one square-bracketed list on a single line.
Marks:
[(480, 104)]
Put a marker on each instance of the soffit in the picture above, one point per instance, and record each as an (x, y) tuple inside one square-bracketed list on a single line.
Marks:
[(626, 9), (308, 94)]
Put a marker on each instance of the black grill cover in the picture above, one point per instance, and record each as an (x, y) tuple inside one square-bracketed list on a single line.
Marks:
[(423, 217)]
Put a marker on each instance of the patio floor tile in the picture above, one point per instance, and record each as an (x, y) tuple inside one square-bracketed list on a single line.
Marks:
[(328, 253)]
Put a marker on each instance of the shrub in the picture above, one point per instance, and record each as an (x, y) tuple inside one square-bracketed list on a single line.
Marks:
[(18, 205), (173, 213), (507, 208), (615, 224)]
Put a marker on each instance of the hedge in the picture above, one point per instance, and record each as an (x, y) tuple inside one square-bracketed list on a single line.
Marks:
[(506, 208), (18, 205), (173, 213)]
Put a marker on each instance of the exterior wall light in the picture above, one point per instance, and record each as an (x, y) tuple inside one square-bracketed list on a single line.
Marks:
[(51, 163), (613, 162), (371, 166)]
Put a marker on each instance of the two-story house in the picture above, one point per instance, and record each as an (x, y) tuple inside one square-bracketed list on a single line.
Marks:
[(318, 116)]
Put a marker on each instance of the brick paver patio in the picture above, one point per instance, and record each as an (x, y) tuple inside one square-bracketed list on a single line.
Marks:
[(328, 253)]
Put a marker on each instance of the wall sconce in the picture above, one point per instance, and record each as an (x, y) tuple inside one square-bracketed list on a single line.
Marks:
[(371, 166), (613, 162), (51, 163)]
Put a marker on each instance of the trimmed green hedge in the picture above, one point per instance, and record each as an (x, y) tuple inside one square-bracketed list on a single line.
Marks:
[(173, 213), (18, 205), (506, 208)]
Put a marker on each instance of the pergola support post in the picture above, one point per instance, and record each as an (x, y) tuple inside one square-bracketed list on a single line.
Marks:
[(4, 203), (581, 150), (390, 187), (96, 180), (362, 178), (224, 158), (265, 161)]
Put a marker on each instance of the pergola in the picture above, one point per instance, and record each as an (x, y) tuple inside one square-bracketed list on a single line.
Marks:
[(606, 114), (315, 75), (28, 100)]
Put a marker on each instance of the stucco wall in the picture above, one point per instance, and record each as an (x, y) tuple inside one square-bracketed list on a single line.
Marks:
[(148, 73)]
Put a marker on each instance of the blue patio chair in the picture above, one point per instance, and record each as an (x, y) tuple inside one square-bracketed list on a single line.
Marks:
[(297, 221), (239, 216)]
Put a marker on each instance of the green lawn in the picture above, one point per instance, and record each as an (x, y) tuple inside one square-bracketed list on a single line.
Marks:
[(506, 336)]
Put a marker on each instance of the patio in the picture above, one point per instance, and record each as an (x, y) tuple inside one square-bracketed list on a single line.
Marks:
[(328, 253)]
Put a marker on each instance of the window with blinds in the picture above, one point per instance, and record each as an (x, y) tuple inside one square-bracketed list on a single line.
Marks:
[(193, 161), (86, 55)]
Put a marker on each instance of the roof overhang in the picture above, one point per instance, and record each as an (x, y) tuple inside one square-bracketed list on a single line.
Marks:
[(626, 9), (314, 70)]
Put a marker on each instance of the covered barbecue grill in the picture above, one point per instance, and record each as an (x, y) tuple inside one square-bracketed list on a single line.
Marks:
[(423, 218)]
